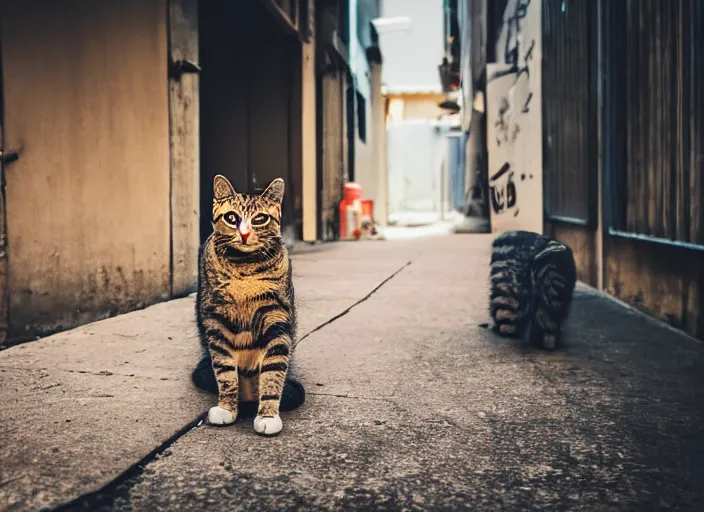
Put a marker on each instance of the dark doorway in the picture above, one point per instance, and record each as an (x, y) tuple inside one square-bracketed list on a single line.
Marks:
[(246, 101)]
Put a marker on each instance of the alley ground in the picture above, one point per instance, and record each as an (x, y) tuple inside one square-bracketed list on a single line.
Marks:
[(412, 404)]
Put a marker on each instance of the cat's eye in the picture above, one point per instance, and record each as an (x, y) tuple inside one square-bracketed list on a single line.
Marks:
[(260, 219), (231, 218)]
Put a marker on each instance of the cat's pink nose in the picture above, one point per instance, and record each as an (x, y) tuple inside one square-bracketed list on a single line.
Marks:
[(244, 230)]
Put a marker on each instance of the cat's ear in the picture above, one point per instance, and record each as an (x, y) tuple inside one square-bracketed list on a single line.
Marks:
[(222, 188), (275, 191)]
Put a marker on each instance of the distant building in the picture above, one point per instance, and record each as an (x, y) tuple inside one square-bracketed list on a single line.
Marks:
[(425, 157), (413, 51)]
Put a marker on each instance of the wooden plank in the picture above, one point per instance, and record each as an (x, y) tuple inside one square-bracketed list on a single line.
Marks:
[(302, 139), (681, 126), (664, 159), (4, 284), (332, 152), (657, 188), (632, 113), (645, 169), (695, 155), (285, 15), (669, 170), (308, 131), (697, 125), (184, 148)]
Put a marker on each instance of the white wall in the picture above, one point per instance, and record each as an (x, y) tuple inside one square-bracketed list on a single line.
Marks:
[(416, 153), (514, 122)]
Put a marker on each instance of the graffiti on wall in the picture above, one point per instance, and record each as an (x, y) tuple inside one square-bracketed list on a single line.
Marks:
[(503, 189), (518, 55), (514, 52), (514, 124)]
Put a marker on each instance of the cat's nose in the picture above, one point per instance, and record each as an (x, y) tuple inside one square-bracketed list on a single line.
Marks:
[(244, 230)]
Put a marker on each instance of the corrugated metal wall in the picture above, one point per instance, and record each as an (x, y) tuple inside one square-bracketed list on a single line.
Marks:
[(86, 105), (658, 191), (569, 127), (647, 250), (654, 158)]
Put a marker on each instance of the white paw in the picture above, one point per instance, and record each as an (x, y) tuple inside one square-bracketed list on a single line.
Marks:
[(220, 416), (268, 426), (549, 341)]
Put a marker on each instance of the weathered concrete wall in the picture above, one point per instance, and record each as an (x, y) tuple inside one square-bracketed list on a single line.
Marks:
[(416, 154), (85, 97), (514, 121), (418, 106), (665, 281)]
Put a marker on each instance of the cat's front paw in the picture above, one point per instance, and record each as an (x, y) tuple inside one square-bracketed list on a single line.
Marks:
[(219, 416), (268, 426)]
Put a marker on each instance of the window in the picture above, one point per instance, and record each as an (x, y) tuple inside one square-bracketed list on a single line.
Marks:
[(362, 117)]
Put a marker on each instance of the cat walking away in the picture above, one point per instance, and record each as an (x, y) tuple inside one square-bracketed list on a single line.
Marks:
[(532, 281), (245, 309)]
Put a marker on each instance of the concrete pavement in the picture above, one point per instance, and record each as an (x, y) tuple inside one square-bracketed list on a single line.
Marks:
[(412, 404), (81, 407)]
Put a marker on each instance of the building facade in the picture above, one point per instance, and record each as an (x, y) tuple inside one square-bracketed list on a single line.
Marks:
[(350, 107), (115, 118), (621, 138)]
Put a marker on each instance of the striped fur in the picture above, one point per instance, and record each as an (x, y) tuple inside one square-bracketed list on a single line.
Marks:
[(245, 307), (532, 281)]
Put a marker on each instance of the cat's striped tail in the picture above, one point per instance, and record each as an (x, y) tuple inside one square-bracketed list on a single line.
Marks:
[(510, 282), (555, 276), (292, 397)]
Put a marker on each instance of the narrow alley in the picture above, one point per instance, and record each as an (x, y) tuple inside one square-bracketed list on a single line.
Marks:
[(152, 151), (412, 404)]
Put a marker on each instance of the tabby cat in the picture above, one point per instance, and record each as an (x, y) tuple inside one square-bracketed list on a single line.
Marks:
[(245, 309), (532, 281)]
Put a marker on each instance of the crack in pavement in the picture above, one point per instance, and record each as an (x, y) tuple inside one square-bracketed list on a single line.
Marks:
[(351, 397), (106, 495), (438, 419), (347, 310), (101, 373)]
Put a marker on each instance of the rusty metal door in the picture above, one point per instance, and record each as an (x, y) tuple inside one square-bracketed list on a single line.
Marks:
[(86, 105), (654, 158)]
